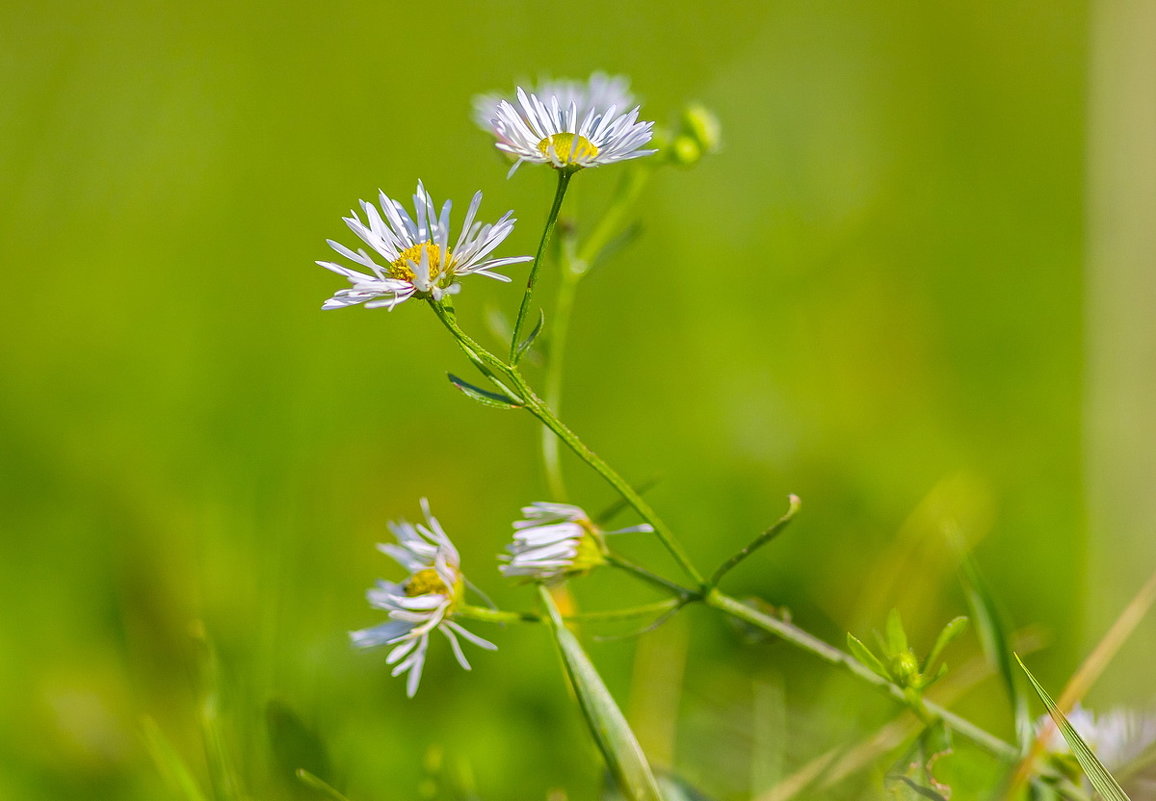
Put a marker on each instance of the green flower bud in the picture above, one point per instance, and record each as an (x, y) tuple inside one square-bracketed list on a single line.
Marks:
[(904, 668), (701, 125)]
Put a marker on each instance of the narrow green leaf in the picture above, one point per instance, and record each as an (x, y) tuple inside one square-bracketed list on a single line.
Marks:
[(170, 764), (995, 639), (295, 745), (488, 372), (529, 340), (314, 783), (611, 732), (864, 655), (1097, 774), (484, 396), (949, 634)]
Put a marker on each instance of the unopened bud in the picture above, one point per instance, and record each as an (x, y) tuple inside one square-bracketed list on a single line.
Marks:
[(701, 125), (904, 668)]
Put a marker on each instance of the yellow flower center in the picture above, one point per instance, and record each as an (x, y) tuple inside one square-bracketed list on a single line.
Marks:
[(568, 148), (402, 267), (426, 582)]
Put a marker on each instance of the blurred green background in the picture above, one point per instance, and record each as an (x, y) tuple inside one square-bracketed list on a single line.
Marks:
[(877, 296)]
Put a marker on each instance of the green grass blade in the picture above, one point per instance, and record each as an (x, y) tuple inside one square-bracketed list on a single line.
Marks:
[(995, 638), (611, 732), (314, 783), (1097, 774), (170, 764)]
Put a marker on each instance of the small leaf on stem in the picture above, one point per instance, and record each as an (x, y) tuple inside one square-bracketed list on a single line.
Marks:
[(484, 396)]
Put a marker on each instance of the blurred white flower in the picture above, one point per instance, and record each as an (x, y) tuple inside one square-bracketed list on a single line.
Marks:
[(556, 540), (600, 91), (417, 253), (569, 134), (1117, 737), (423, 603)]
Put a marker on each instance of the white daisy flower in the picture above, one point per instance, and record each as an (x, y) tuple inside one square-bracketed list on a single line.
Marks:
[(1117, 737), (423, 603), (557, 540), (565, 135), (601, 91), (417, 253)]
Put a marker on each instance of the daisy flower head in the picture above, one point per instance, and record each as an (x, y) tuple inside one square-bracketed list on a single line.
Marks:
[(567, 135), (555, 541), (1118, 737), (418, 259), (600, 91), (423, 603)]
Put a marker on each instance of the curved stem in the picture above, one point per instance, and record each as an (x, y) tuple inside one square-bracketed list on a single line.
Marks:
[(564, 177), (445, 313), (631, 611), (712, 597), (488, 615), (631, 186), (651, 578), (539, 409), (793, 504)]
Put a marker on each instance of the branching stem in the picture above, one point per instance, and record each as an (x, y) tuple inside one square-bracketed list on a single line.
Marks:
[(702, 592)]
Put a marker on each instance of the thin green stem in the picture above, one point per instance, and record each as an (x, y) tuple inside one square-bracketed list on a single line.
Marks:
[(793, 503), (712, 597), (564, 177), (539, 409), (652, 578), (632, 183), (657, 607), (552, 384), (487, 615), (575, 265), (445, 313), (545, 415), (828, 653)]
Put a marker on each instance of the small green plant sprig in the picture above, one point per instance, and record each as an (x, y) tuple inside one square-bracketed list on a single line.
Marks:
[(573, 126)]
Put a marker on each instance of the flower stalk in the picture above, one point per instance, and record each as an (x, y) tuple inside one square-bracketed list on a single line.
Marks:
[(564, 177)]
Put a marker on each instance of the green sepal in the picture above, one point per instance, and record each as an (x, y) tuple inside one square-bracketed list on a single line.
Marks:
[(484, 396), (1107, 786), (948, 635), (865, 655), (605, 720), (995, 639)]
